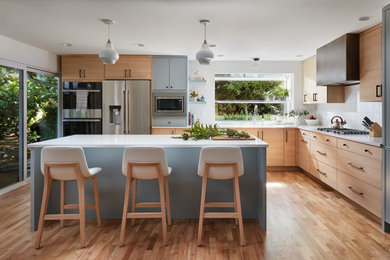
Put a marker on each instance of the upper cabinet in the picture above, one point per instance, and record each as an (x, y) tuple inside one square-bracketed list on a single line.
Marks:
[(82, 68), (313, 94), (170, 72), (371, 64), (130, 67)]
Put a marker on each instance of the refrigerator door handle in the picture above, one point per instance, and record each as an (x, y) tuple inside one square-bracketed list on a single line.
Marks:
[(128, 112), (124, 112)]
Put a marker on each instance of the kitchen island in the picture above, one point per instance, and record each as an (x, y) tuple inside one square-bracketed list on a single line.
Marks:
[(106, 151)]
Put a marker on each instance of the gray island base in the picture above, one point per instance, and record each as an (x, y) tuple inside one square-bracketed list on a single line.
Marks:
[(106, 151)]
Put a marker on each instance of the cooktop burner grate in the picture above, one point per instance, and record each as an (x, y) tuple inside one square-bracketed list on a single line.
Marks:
[(344, 131)]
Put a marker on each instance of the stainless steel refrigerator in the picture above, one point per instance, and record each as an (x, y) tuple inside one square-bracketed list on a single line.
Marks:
[(126, 106), (386, 118)]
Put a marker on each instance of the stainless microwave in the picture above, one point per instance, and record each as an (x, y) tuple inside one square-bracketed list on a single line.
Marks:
[(167, 104)]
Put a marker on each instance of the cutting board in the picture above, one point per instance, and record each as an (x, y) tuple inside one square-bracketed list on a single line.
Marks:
[(226, 138)]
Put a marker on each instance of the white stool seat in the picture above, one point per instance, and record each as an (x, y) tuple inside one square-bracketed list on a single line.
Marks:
[(94, 170)]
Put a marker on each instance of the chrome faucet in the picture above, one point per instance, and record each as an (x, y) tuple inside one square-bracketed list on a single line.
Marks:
[(255, 114)]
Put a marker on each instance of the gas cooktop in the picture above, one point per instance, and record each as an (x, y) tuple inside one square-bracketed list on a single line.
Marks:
[(344, 131)]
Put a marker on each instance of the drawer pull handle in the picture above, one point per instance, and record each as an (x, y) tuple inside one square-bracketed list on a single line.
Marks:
[(356, 166), (327, 140), (322, 153), (323, 173), (303, 141), (314, 136), (367, 151), (357, 192), (344, 145), (303, 134)]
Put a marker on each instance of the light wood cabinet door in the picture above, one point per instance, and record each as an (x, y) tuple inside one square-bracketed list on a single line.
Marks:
[(371, 64), (82, 68), (129, 67), (303, 156), (274, 138), (289, 136), (163, 131)]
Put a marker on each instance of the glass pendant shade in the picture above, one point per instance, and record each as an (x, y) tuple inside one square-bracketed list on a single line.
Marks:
[(109, 55), (205, 55)]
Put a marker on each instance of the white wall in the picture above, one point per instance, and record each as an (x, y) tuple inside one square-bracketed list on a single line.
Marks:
[(353, 111), (206, 113), (19, 52)]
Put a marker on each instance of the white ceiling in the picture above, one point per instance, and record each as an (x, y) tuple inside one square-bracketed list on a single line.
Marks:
[(241, 29)]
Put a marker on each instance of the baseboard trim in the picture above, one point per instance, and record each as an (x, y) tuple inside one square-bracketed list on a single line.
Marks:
[(283, 168)]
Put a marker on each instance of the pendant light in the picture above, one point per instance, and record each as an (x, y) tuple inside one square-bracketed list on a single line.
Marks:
[(109, 55), (204, 55)]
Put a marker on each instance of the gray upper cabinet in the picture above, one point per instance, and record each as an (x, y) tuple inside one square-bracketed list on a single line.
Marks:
[(170, 72)]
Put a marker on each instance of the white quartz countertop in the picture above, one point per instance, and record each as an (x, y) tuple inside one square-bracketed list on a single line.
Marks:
[(140, 140)]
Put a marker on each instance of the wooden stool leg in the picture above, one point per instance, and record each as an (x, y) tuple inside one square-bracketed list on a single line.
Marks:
[(133, 200), (45, 198), (235, 202), (97, 202), (202, 201), (163, 209), (81, 186), (168, 201), (62, 211), (125, 208), (238, 199)]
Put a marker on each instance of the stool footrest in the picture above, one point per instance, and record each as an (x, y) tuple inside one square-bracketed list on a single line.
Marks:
[(148, 205), (144, 215), (219, 205), (220, 215), (76, 206), (61, 216)]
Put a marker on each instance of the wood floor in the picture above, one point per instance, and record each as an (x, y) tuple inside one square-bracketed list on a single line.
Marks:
[(305, 221)]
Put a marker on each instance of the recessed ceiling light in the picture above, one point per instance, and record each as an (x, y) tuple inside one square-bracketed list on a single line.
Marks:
[(298, 55), (138, 45), (66, 44), (212, 45), (220, 55), (256, 59), (364, 18)]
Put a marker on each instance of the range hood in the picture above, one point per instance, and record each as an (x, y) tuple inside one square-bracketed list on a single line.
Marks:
[(338, 62)]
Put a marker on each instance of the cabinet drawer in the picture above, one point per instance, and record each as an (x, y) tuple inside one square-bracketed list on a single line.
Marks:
[(362, 149), (163, 131), (324, 153), (365, 195), (303, 134), (324, 139), (324, 172), (366, 169)]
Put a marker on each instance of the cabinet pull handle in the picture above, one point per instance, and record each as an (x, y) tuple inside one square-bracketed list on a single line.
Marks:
[(314, 136), (84, 73), (344, 145), (327, 140), (304, 98), (129, 73), (378, 93), (262, 135), (315, 97), (171, 86), (166, 87), (367, 151), (125, 73), (80, 73), (303, 140), (323, 173), (355, 166), (352, 189), (286, 136), (322, 153), (172, 132)]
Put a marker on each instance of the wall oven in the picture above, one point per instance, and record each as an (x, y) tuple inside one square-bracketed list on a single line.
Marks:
[(169, 104), (82, 108)]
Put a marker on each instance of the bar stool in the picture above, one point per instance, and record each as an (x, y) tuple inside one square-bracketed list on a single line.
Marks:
[(67, 164), (221, 163), (146, 163)]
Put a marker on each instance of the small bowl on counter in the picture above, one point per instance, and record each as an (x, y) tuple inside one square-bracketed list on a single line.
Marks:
[(312, 122)]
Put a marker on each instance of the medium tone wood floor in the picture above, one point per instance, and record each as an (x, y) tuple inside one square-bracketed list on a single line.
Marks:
[(305, 221)]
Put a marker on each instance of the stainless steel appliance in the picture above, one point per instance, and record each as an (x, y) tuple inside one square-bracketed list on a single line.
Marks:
[(343, 131), (126, 107), (82, 108), (169, 104), (386, 118)]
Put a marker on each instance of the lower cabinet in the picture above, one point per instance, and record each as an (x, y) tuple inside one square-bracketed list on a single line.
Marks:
[(324, 172), (274, 138)]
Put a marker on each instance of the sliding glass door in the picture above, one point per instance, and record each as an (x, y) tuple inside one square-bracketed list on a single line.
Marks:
[(11, 82), (42, 109)]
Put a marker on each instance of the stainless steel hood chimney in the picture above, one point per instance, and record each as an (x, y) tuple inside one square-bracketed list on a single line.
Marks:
[(338, 62)]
